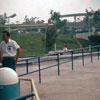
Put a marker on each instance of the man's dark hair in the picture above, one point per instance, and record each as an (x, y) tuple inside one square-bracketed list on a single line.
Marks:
[(65, 45), (8, 34)]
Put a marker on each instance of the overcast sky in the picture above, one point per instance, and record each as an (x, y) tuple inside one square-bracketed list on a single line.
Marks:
[(41, 8)]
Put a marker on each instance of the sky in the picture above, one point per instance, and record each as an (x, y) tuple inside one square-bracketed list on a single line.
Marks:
[(42, 8)]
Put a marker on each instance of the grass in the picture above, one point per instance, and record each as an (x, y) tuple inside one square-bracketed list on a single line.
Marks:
[(68, 40), (32, 44), (85, 43)]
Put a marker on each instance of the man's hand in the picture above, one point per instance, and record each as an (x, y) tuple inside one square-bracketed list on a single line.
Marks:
[(19, 51), (0, 57), (0, 60), (16, 61)]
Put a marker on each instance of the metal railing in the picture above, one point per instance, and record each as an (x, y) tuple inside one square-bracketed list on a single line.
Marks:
[(33, 94), (71, 56)]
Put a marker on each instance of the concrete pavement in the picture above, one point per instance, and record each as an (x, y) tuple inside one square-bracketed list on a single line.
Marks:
[(80, 84)]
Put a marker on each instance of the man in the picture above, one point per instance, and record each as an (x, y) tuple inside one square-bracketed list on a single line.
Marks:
[(65, 48), (8, 50)]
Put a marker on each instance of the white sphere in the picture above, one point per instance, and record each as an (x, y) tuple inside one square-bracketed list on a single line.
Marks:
[(8, 76)]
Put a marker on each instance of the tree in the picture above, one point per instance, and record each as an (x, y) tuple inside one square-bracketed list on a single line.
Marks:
[(94, 39), (3, 19), (32, 20), (97, 18), (55, 26), (50, 37), (93, 17), (26, 20)]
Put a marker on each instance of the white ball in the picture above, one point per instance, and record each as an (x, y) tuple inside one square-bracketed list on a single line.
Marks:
[(8, 76)]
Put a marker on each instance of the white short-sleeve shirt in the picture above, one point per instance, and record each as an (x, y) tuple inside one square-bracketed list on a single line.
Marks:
[(65, 49), (9, 49)]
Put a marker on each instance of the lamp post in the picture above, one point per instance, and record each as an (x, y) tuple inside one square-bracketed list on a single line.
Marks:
[(89, 23), (45, 39), (90, 17), (11, 16)]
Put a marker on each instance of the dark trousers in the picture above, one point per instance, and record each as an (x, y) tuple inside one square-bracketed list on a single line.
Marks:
[(9, 62)]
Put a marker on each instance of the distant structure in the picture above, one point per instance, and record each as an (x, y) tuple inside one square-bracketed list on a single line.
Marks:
[(39, 27), (74, 15), (18, 26)]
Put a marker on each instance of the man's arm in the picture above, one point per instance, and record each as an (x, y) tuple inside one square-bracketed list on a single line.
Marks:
[(0, 57), (19, 51)]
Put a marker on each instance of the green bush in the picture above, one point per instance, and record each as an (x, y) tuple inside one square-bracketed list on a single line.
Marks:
[(94, 39)]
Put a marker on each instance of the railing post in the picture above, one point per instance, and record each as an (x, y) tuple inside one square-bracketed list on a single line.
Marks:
[(19, 87), (89, 48), (58, 64), (98, 53), (83, 56), (27, 66), (72, 59), (39, 70), (91, 55)]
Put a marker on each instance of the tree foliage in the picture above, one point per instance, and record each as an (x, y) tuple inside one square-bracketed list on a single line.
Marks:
[(55, 27), (93, 17), (94, 39), (50, 37), (97, 17), (3, 19), (32, 20)]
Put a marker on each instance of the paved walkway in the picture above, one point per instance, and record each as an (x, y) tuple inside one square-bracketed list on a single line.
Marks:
[(80, 84)]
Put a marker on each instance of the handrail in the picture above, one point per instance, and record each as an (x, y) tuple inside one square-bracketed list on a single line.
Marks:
[(34, 57), (82, 52), (33, 86), (23, 97), (34, 91)]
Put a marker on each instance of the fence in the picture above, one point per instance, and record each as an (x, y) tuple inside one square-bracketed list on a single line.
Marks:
[(33, 94), (70, 56)]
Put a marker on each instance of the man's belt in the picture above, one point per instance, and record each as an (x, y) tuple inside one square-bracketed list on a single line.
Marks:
[(9, 57)]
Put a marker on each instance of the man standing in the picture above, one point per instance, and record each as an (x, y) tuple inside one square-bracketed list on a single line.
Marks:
[(10, 51)]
